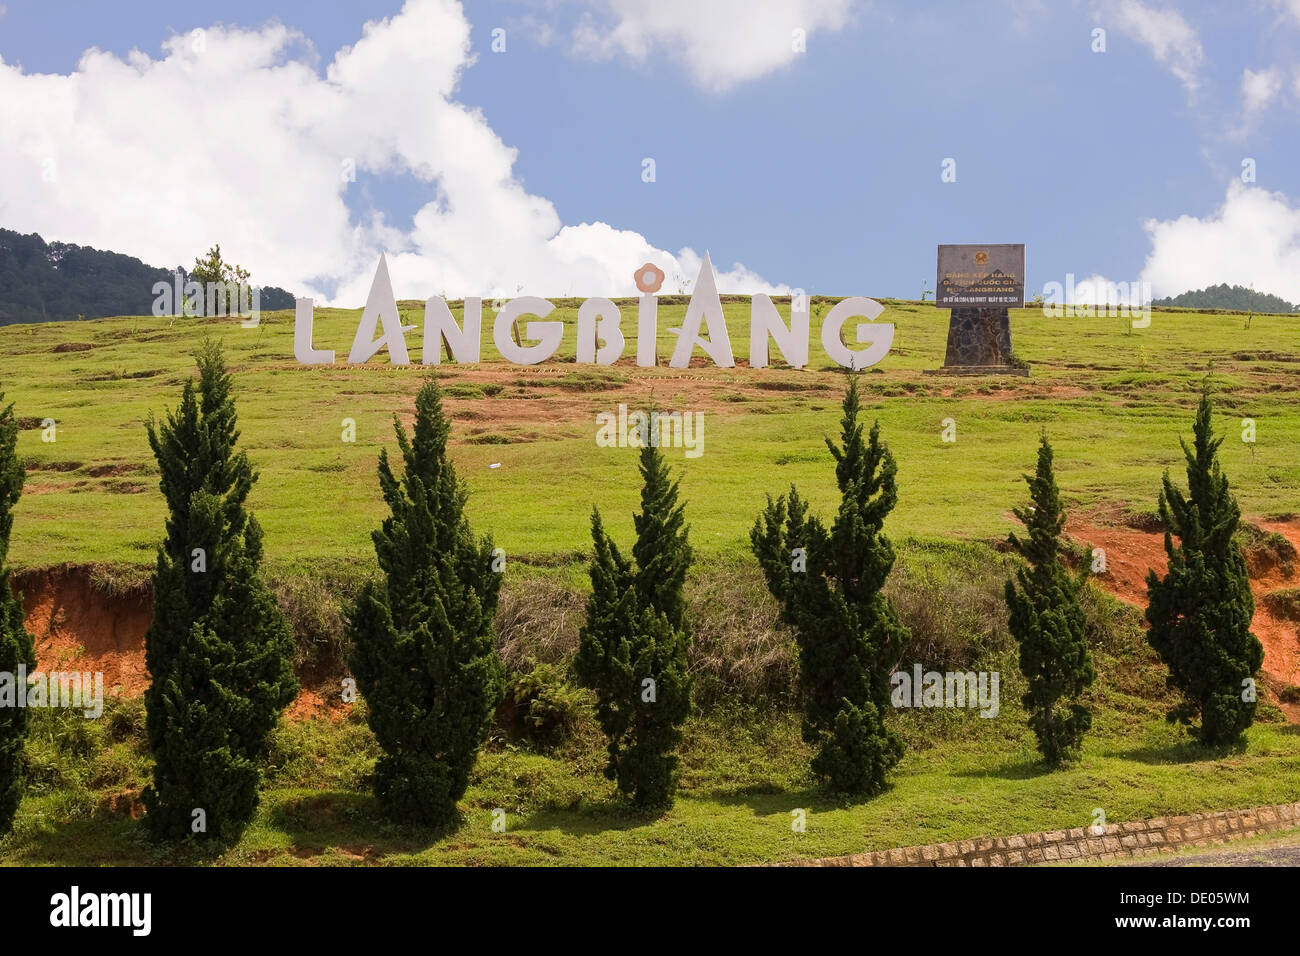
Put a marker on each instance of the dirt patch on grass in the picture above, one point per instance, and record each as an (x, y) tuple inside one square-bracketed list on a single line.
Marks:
[(558, 397), (786, 385), (72, 347), (50, 489), (112, 471), (979, 389), (120, 375), (125, 487)]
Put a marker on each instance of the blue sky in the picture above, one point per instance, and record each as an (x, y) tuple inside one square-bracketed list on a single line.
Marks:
[(821, 171)]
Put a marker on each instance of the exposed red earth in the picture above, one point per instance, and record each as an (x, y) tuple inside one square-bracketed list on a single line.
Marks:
[(77, 625), (1130, 552)]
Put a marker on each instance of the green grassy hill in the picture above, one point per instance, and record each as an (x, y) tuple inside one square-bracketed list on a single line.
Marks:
[(1114, 401)]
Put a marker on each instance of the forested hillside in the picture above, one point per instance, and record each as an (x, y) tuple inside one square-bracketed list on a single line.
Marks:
[(1224, 296), (55, 281)]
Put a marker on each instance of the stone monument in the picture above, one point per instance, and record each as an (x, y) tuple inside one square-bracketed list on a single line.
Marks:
[(979, 283)]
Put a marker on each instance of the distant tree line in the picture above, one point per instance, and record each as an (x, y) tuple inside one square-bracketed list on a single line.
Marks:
[(1223, 296), (57, 281)]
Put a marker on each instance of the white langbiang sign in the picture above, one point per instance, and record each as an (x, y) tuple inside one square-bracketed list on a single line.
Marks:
[(600, 336)]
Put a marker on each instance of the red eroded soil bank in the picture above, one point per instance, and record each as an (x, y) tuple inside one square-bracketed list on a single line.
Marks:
[(1129, 553), (79, 625)]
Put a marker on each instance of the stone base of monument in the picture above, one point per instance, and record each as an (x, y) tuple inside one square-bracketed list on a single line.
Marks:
[(979, 343)]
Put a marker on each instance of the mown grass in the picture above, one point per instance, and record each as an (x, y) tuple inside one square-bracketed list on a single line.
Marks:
[(1114, 401), (744, 772)]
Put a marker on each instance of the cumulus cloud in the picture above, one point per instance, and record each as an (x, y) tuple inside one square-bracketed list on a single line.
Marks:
[(233, 136), (1258, 88), (1252, 239), (1166, 34), (721, 42)]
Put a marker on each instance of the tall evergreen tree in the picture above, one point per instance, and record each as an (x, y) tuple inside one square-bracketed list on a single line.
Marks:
[(829, 587), (422, 639), (633, 648), (16, 646), (1047, 622), (1200, 612), (219, 650)]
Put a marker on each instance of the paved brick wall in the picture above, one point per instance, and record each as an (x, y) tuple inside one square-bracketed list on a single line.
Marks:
[(1121, 840)]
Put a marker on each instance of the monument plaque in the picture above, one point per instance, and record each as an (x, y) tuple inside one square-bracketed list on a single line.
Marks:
[(981, 275), (979, 283)]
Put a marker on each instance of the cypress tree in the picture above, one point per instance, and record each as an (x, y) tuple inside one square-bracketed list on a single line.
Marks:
[(633, 648), (422, 638), (1200, 612), (16, 646), (829, 587), (219, 650), (1046, 619)]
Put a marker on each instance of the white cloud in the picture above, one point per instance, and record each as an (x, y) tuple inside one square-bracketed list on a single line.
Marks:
[(241, 141), (1170, 38), (1098, 290), (1289, 7), (1252, 239), (540, 31), (1258, 88), (722, 42)]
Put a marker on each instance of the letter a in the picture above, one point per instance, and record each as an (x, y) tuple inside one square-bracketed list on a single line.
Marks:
[(705, 306), (902, 693), (380, 304)]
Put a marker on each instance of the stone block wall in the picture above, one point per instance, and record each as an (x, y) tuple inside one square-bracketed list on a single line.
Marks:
[(1121, 840)]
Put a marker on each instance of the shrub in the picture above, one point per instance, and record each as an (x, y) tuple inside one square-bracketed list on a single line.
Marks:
[(1200, 612), (633, 648), (1047, 621), (16, 649), (422, 641), (829, 585), (541, 707), (218, 650)]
